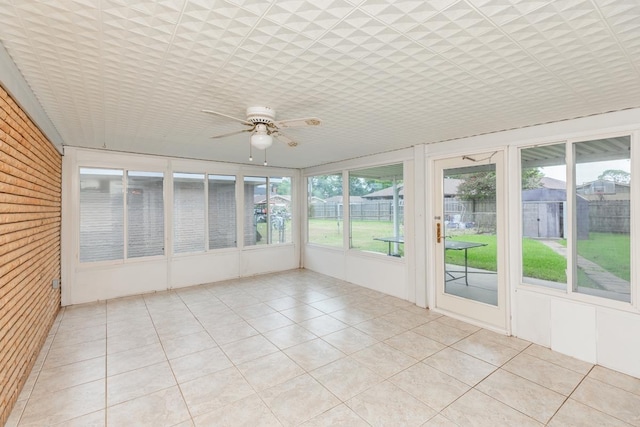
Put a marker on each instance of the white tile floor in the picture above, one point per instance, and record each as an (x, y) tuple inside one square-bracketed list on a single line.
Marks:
[(302, 348)]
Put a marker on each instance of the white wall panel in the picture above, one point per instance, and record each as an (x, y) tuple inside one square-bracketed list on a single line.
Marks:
[(380, 273), (534, 317), (101, 283), (268, 259), (325, 260), (618, 338), (204, 268), (573, 329)]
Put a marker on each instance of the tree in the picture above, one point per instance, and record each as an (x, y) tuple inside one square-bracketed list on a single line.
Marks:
[(616, 175), (478, 186), (482, 185), (361, 186), (531, 178), (325, 186), (284, 187)]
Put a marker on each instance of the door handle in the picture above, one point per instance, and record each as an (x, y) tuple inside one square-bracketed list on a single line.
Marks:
[(438, 232)]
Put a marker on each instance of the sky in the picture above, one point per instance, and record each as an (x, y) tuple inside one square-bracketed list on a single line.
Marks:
[(587, 172)]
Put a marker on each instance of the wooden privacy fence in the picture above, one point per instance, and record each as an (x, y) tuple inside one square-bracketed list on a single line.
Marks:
[(610, 216), (378, 210)]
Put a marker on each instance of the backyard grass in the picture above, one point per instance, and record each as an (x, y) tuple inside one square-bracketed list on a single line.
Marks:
[(611, 251), (541, 262), (329, 232), (482, 257)]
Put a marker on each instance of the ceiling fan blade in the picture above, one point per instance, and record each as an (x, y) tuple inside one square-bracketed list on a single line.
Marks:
[(232, 133), (215, 113), (296, 123), (284, 138)]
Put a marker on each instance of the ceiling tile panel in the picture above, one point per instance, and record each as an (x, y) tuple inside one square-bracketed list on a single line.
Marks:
[(133, 75)]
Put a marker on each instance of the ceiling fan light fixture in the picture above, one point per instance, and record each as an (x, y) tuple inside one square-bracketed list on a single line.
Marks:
[(261, 139)]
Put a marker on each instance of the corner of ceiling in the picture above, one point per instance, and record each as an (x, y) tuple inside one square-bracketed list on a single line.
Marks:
[(14, 82)]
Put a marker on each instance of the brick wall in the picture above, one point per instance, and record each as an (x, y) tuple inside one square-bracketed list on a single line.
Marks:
[(30, 186)]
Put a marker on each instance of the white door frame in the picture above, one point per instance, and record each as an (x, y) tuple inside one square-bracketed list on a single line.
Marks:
[(486, 315)]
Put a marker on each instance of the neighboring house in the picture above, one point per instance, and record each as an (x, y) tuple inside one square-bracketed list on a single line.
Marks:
[(279, 200), (548, 182), (340, 199), (316, 200), (385, 194), (603, 189)]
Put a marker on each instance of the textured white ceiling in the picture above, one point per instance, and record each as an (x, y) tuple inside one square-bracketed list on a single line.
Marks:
[(133, 75)]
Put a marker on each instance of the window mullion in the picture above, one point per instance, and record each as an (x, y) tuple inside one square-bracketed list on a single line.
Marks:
[(572, 267), (125, 219), (206, 213)]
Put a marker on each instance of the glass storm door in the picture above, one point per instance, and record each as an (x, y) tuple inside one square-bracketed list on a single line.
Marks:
[(469, 233)]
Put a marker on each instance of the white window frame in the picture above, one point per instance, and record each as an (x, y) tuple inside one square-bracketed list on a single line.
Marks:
[(570, 292)]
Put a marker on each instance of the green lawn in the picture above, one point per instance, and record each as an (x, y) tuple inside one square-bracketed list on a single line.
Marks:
[(611, 251), (329, 232), (541, 262), (483, 257), (326, 231)]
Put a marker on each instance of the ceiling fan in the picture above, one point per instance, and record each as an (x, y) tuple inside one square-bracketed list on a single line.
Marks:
[(261, 123)]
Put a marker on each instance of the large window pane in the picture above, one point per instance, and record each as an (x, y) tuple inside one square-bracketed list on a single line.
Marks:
[(376, 208), (471, 232), (279, 212), (603, 217), (544, 221), (268, 221), (188, 213), (222, 211), (255, 210), (145, 214), (324, 210), (101, 215)]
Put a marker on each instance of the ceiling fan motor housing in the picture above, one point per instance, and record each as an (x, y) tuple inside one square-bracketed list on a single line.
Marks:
[(264, 115)]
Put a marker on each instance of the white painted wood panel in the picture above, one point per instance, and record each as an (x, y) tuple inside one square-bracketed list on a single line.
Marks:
[(573, 329)]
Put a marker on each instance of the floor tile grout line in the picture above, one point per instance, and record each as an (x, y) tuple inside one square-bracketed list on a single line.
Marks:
[(256, 391), (175, 378), (377, 314), (584, 376), (501, 367), (53, 336), (532, 344), (506, 404), (106, 361), (595, 379), (610, 384)]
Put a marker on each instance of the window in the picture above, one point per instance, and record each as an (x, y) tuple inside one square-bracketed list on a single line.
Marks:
[(597, 236), (376, 209), (267, 210), (279, 212), (544, 210), (602, 217), (222, 211), (101, 215), (145, 214), (188, 213), (324, 210)]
